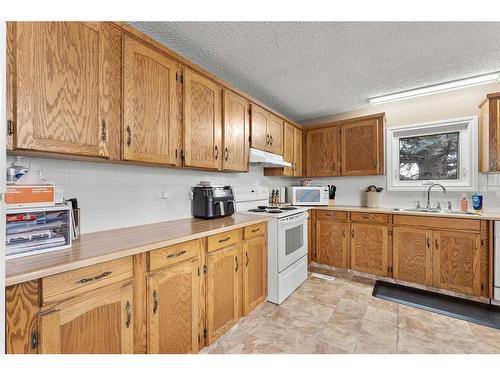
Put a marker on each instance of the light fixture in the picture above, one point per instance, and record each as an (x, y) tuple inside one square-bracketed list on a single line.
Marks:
[(434, 89)]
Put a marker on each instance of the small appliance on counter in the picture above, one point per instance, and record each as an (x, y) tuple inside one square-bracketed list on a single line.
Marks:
[(212, 201), (308, 195)]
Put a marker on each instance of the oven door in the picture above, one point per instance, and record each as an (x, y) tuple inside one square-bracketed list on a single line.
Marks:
[(292, 239)]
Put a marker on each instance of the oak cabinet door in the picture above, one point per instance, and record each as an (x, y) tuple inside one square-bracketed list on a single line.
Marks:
[(99, 322), (174, 309), (275, 131), (202, 122), (457, 261), (288, 148), (412, 255), (362, 148), (236, 132), (67, 88), (223, 297), (331, 239), (254, 273), (370, 248), (149, 81), (259, 127), (323, 152), (297, 152)]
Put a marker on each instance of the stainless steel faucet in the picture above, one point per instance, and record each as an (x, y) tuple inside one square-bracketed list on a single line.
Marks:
[(429, 193)]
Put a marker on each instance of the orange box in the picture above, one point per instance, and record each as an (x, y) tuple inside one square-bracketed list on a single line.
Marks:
[(30, 195)]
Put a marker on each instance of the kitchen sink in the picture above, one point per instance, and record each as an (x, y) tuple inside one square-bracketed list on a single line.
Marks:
[(435, 211)]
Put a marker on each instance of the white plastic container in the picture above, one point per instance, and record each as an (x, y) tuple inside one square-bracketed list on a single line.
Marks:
[(372, 199)]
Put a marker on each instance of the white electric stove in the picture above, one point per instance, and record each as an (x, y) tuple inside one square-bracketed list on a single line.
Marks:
[(286, 239)]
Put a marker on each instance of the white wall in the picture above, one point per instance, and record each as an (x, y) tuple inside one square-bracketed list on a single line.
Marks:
[(116, 195), (452, 104)]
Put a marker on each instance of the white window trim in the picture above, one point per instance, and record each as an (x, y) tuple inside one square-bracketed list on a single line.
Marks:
[(468, 174)]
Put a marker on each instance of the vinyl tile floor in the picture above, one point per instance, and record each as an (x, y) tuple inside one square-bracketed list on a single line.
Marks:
[(341, 316)]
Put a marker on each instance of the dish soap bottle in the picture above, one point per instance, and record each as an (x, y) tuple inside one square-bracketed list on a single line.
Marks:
[(477, 202), (464, 204)]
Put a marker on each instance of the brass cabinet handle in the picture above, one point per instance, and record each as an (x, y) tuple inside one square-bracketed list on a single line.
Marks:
[(226, 154), (94, 278), (216, 152), (175, 255), (224, 239), (436, 242), (248, 260), (129, 138), (237, 265), (103, 130), (428, 242), (128, 308), (255, 230), (155, 301), (271, 140)]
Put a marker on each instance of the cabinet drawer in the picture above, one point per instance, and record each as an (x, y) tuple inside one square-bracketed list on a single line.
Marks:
[(369, 217), (438, 222), (218, 241), (167, 256), (69, 284), (336, 215), (255, 230)]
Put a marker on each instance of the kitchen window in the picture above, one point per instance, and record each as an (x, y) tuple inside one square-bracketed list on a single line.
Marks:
[(444, 152)]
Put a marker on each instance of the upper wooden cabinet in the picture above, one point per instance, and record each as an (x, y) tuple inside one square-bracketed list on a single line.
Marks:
[(489, 133), (150, 105), (64, 88), (202, 122), (297, 152), (236, 132), (266, 130), (288, 148), (323, 152), (97, 322), (292, 153), (362, 147)]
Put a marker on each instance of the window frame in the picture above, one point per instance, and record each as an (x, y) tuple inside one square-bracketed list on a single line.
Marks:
[(468, 157)]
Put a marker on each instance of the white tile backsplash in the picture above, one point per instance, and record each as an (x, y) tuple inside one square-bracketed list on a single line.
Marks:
[(118, 195)]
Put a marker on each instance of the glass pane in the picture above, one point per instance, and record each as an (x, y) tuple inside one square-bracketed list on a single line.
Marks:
[(312, 195), (429, 157), (294, 239)]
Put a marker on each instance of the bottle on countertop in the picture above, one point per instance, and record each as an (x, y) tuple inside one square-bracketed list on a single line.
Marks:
[(464, 204), (477, 202)]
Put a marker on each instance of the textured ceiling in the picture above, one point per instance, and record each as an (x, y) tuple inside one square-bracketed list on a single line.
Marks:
[(311, 69)]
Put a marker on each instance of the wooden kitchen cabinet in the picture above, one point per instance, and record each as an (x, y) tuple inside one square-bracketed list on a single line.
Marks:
[(331, 242), (362, 147), (266, 130), (457, 261), (297, 152), (236, 132), (96, 322), (223, 296), (64, 88), (292, 153), (370, 248), (412, 255), (288, 148), (174, 309), (489, 133), (150, 104), (323, 152), (254, 272), (202, 122)]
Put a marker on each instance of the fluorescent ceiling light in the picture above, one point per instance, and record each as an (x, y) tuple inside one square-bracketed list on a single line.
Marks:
[(434, 89)]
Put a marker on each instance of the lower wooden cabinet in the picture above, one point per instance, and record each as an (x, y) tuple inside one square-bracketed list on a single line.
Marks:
[(223, 297), (331, 240), (370, 248), (254, 273), (174, 309), (97, 322)]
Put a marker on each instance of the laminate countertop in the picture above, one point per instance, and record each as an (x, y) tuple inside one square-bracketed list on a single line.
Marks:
[(108, 245), (395, 211)]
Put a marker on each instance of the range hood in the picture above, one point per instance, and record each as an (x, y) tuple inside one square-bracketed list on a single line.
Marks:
[(267, 159)]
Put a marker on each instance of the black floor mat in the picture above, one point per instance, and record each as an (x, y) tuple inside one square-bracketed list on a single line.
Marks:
[(471, 311)]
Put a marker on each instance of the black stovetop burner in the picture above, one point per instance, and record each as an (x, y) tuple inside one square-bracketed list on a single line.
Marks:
[(274, 211), (258, 210)]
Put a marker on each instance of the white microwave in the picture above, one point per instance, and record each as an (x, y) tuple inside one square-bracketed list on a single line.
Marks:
[(307, 195)]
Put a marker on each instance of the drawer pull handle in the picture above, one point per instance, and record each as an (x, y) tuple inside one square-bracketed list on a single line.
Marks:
[(86, 280), (437, 243), (155, 301), (255, 230), (224, 239), (248, 260), (128, 308), (428, 243), (175, 255)]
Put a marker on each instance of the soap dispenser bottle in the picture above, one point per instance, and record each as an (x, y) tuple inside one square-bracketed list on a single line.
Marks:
[(464, 204)]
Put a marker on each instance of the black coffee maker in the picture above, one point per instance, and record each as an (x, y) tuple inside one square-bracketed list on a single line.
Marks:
[(212, 202)]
